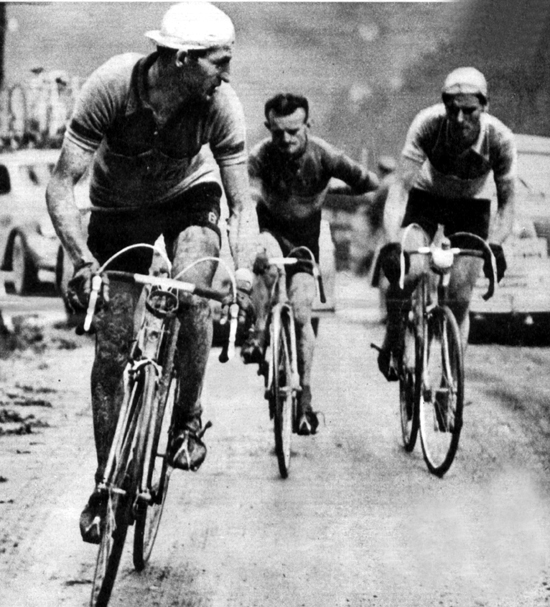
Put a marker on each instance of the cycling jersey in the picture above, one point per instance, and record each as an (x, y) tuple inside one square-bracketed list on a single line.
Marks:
[(460, 174), (295, 188), (139, 162)]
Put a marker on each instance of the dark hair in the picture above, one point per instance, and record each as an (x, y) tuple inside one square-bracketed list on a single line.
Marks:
[(285, 104)]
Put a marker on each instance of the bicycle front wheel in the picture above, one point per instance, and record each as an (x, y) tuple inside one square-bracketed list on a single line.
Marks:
[(149, 511), (410, 374), (122, 485), (442, 391), (283, 394)]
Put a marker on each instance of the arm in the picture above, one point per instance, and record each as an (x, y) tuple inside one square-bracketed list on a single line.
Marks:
[(243, 222), (397, 197), (504, 218), (60, 199)]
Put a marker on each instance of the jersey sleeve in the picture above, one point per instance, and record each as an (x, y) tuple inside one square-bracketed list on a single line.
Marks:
[(505, 164), (342, 167), (228, 132), (97, 103), (419, 135)]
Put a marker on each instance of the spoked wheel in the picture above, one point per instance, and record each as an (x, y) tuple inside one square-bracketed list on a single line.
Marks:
[(410, 374), (122, 484), (442, 391), (283, 395), (149, 512)]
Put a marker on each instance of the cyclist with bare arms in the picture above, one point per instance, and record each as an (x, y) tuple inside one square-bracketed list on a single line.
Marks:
[(289, 174), (142, 122), (452, 152)]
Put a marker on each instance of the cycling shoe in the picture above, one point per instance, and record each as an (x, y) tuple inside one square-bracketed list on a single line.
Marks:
[(307, 424), (251, 351), (387, 363), (188, 451), (92, 518)]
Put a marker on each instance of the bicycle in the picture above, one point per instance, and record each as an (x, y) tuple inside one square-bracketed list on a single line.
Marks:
[(280, 360), (430, 365), (137, 473)]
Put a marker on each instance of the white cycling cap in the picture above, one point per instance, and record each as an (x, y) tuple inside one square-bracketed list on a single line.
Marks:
[(466, 81), (194, 26)]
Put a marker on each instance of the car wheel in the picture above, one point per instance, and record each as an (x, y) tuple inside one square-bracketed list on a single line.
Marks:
[(24, 275)]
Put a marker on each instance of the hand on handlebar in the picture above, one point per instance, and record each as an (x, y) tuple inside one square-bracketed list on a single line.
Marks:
[(80, 286), (500, 260), (261, 263)]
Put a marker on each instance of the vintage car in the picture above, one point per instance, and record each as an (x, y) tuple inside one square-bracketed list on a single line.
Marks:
[(521, 303), (28, 243)]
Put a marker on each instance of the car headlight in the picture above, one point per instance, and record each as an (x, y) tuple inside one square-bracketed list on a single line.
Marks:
[(45, 228)]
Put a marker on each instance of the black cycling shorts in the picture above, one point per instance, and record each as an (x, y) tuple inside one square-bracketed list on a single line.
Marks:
[(456, 214), (110, 232), (292, 234)]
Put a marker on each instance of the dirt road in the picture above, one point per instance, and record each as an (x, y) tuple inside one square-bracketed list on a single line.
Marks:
[(358, 523)]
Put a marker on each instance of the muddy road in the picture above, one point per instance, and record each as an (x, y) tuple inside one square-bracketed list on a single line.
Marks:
[(359, 522)]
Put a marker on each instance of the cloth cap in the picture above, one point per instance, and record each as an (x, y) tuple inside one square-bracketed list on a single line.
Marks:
[(465, 81), (194, 26)]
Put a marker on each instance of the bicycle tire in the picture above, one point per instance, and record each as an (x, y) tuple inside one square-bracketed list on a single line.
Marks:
[(283, 394), (442, 392), (149, 514), (119, 504), (410, 377)]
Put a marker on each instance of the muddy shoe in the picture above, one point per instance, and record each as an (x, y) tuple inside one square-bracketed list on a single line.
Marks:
[(188, 451), (307, 424), (92, 517), (307, 420), (387, 363), (252, 351)]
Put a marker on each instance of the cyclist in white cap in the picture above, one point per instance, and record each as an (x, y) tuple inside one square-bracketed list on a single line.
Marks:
[(452, 152), (142, 123)]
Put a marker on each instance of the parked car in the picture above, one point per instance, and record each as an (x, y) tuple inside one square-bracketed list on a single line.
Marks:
[(522, 300), (28, 244)]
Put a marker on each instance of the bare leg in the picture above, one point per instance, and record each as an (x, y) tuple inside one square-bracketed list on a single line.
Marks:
[(463, 280), (195, 336), (251, 351), (115, 330)]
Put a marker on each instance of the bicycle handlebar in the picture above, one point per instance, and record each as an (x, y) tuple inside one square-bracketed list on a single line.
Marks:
[(228, 351), (290, 261)]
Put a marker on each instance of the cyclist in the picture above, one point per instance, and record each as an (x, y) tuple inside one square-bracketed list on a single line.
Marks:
[(289, 175), (451, 151), (142, 122)]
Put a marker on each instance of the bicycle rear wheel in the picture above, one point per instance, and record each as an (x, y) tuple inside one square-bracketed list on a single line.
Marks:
[(283, 394), (149, 512), (122, 485), (442, 392), (410, 376)]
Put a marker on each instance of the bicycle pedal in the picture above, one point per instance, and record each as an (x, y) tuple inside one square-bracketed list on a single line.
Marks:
[(202, 431)]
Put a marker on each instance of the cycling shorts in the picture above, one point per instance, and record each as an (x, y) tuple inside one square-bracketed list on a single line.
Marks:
[(291, 234), (112, 231), (456, 214)]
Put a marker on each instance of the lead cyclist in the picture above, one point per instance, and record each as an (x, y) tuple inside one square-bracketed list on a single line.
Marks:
[(452, 153), (142, 122)]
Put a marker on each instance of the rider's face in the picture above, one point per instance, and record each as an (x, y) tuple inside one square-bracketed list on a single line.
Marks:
[(463, 113), (289, 133), (208, 72)]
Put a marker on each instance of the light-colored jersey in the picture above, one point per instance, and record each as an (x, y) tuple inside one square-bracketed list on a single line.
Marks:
[(449, 173), (139, 162)]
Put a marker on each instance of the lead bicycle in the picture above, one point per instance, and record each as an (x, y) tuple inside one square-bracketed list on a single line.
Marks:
[(137, 474), (430, 366), (280, 359)]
